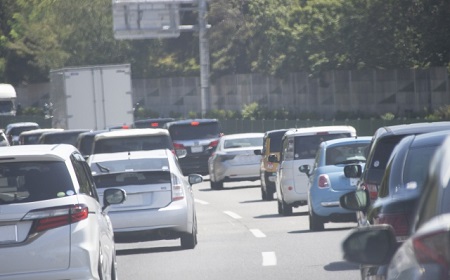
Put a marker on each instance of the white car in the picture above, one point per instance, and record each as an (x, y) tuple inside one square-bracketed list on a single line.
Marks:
[(52, 225), (234, 159), (160, 201)]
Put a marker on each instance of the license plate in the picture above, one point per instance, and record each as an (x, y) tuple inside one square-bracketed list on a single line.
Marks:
[(196, 149), (8, 233)]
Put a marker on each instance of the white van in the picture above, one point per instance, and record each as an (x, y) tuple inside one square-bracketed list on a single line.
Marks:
[(298, 147), (7, 100)]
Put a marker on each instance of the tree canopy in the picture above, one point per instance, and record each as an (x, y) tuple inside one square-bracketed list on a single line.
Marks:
[(275, 37)]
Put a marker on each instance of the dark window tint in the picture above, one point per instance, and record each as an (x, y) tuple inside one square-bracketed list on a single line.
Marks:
[(132, 178), (132, 143), (85, 144), (34, 181), (6, 106), (63, 138), (82, 172), (416, 166), (129, 165), (30, 139), (382, 152), (306, 146), (17, 130), (198, 131), (275, 141)]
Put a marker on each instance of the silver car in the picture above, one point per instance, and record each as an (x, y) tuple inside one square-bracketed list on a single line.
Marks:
[(160, 201), (52, 225), (234, 159)]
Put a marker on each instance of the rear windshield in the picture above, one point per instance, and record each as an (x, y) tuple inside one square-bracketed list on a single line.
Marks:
[(17, 130), (34, 181), (85, 144), (30, 139), (132, 178), (305, 147), (275, 141), (345, 154), (132, 143), (243, 142), (200, 131), (130, 165), (6, 106), (63, 138)]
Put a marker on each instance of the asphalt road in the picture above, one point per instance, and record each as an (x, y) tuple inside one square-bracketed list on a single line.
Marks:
[(242, 237)]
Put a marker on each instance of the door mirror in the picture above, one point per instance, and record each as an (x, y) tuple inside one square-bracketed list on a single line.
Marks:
[(305, 169), (353, 171), (356, 201), (273, 158)]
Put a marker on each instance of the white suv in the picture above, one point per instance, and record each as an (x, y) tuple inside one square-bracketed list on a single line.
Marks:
[(52, 225), (298, 147)]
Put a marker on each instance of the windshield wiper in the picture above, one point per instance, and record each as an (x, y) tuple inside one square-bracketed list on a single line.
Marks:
[(102, 168)]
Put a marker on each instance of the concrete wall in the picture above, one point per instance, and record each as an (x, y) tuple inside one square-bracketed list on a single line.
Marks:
[(371, 91)]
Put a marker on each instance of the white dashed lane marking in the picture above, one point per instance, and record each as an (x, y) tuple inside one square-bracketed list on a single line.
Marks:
[(269, 259), (232, 215), (257, 233), (201, 201)]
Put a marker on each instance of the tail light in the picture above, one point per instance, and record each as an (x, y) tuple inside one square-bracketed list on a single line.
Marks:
[(433, 248), (399, 221), (373, 190), (178, 146), (213, 144), (154, 124), (49, 218), (323, 181), (177, 188), (180, 150)]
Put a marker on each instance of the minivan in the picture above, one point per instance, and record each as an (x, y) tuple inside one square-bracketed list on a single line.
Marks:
[(299, 147)]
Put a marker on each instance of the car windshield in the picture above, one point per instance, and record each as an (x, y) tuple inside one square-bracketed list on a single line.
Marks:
[(275, 141), (132, 143), (243, 142), (17, 130), (199, 131), (33, 181), (132, 178), (130, 165), (306, 146)]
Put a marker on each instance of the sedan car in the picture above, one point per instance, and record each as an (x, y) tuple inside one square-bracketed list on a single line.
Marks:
[(425, 254), (327, 181), (234, 159), (52, 225), (160, 201)]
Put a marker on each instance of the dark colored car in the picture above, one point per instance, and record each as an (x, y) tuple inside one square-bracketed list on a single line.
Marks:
[(85, 141), (61, 137), (152, 123), (194, 139), (268, 170), (425, 254), (400, 188)]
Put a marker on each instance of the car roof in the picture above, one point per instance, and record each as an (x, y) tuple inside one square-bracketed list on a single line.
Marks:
[(243, 135), (159, 153), (426, 139), (413, 128), (19, 124), (132, 132), (66, 131), (40, 130), (357, 139), (317, 129), (275, 131), (59, 152), (189, 121)]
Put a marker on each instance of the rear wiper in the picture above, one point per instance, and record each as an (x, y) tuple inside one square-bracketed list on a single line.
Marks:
[(102, 168)]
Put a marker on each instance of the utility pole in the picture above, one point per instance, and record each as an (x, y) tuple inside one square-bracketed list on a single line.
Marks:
[(204, 57)]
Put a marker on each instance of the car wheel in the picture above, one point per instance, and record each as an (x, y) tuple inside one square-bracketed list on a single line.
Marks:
[(280, 207), (189, 240), (286, 210), (315, 222), (263, 193)]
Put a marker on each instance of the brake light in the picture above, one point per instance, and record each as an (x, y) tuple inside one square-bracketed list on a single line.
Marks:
[(177, 188), (195, 123), (49, 218), (155, 124), (399, 221), (214, 143), (433, 248), (125, 126), (323, 181), (178, 146), (373, 190)]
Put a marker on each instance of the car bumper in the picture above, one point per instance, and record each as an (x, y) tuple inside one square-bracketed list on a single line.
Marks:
[(226, 172)]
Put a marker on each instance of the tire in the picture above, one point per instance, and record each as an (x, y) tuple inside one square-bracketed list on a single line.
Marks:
[(263, 193), (315, 222), (216, 185), (189, 240), (286, 210), (280, 207)]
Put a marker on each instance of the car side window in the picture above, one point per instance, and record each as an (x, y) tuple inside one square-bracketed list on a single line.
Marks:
[(83, 176)]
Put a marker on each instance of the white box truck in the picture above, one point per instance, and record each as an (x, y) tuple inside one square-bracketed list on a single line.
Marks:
[(7, 100), (91, 97)]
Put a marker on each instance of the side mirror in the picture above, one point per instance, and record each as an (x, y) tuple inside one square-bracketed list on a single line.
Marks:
[(374, 245), (273, 158), (257, 152), (113, 196), (305, 168), (353, 171), (195, 179), (358, 200)]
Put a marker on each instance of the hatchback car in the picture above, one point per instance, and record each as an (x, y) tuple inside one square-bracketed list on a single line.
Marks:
[(30, 137), (267, 169), (193, 138), (425, 254), (327, 181), (401, 187), (234, 159), (52, 225), (13, 130), (160, 201), (299, 147), (126, 140)]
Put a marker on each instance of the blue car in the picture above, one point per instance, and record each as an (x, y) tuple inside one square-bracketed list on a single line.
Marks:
[(327, 181)]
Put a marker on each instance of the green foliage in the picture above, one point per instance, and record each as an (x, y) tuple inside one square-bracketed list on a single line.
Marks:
[(442, 113), (387, 117)]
